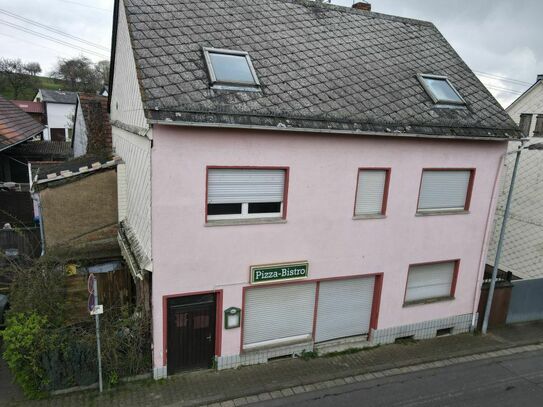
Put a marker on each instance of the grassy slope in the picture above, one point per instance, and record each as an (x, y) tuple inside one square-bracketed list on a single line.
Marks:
[(29, 93)]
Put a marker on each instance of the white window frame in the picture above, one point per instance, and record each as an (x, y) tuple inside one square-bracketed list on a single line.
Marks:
[(230, 84), (245, 205), (422, 77), (451, 209)]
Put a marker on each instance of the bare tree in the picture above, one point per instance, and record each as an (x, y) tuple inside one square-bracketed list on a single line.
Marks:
[(33, 68), (102, 69), (79, 73), (16, 74)]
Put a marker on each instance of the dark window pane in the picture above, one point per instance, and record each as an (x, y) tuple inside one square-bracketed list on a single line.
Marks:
[(224, 209), (265, 207), (231, 68)]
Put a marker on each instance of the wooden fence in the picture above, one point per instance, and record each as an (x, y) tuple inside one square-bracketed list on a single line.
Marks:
[(21, 243)]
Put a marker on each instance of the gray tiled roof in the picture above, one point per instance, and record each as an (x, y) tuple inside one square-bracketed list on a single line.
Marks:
[(58, 96), (322, 67)]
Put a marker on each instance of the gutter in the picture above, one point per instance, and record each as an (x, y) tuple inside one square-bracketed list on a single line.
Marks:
[(323, 131)]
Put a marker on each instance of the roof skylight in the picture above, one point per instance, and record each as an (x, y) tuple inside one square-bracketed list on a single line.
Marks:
[(441, 90), (230, 69)]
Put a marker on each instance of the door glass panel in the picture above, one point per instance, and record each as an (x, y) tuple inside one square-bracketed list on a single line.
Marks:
[(201, 321)]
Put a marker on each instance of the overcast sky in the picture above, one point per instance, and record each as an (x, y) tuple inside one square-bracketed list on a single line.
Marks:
[(496, 38)]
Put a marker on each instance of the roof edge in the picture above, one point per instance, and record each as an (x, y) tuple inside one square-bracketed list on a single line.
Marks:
[(329, 131), (526, 92), (346, 9)]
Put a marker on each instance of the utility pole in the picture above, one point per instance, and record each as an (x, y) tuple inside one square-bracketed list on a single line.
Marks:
[(500, 242), (98, 348), (96, 310)]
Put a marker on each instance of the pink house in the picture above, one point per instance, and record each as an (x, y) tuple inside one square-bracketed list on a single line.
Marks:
[(298, 176)]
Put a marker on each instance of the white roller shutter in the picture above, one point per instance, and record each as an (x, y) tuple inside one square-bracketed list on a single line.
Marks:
[(444, 190), (276, 315), (370, 191), (344, 308), (245, 186), (429, 281)]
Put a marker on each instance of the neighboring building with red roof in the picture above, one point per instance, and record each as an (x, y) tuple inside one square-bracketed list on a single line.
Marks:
[(34, 109), (16, 125)]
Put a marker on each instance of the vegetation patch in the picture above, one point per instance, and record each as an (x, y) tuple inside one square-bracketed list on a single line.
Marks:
[(47, 351)]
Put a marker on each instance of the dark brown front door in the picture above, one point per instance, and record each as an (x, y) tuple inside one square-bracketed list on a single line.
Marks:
[(58, 135), (191, 332)]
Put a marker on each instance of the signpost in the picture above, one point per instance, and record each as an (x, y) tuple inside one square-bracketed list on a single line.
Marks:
[(96, 310), (279, 272)]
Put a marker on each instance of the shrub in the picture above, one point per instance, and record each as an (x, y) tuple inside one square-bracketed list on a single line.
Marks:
[(25, 342)]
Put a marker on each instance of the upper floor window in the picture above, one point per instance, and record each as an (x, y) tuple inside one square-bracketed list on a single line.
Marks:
[(229, 68), (538, 131), (445, 190), (246, 193), (525, 124), (441, 90), (371, 192), (433, 281)]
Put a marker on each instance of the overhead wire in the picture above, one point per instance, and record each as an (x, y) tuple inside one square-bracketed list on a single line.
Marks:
[(52, 29), (34, 43), (53, 39), (86, 5), (502, 78)]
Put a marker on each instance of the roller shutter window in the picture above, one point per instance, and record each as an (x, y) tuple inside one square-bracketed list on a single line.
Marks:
[(344, 308), (444, 190), (370, 193), (538, 132), (525, 124), (245, 193), (279, 315), (430, 281)]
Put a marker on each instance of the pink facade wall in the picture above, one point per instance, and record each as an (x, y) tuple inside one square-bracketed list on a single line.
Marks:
[(190, 257)]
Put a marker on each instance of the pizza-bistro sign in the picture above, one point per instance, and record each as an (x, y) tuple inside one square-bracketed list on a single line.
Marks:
[(279, 272)]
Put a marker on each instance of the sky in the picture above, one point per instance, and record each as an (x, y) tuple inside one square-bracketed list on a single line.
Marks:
[(499, 39)]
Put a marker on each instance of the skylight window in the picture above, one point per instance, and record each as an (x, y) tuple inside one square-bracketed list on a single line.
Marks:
[(441, 90), (230, 69)]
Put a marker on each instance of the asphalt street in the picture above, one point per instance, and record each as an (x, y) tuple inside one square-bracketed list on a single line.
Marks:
[(509, 381)]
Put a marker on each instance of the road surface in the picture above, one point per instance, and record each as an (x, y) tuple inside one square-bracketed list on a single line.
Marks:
[(509, 381)]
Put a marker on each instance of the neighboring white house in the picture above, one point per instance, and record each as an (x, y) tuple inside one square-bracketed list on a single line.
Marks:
[(59, 113), (523, 246)]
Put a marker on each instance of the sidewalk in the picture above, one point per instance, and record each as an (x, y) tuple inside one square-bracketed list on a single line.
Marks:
[(207, 387)]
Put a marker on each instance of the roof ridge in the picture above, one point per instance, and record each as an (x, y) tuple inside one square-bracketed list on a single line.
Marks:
[(373, 14)]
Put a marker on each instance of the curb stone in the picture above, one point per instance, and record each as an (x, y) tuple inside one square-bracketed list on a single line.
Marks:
[(289, 391)]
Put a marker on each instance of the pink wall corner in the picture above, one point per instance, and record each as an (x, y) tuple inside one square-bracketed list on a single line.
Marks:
[(188, 256)]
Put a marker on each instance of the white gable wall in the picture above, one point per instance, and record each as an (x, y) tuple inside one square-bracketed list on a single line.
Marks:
[(131, 140), (59, 116), (126, 103), (522, 254), (80, 133), (529, 103)]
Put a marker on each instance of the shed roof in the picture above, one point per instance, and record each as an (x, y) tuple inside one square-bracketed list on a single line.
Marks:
[(42, 150), (29, 106), (58, 96), (320, 67), (15, 125)]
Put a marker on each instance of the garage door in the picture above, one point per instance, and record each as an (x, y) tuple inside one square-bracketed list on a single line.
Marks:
[(278, 315), (344, 308)]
